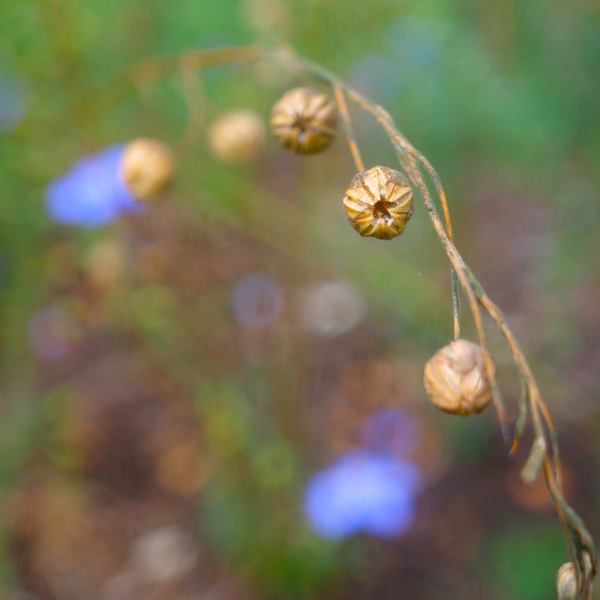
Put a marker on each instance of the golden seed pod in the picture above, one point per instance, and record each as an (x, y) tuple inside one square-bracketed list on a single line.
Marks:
[(148, 168), (237, 137), (304, 120), (379, 203), (455, 379), (566, 582)]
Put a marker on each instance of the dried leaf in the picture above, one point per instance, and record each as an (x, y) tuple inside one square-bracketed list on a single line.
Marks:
[(533, 466), (522, 420)]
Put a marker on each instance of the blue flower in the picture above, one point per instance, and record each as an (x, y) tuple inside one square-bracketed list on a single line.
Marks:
[(257, 301), (92, 193), (363, 491)]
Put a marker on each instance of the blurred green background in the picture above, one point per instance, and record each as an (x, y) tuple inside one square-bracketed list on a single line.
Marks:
[(163, 414)]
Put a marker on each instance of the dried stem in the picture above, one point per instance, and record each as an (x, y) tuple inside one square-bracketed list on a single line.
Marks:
[(341, 102), (579, 542), (448, 222), (195, 61)]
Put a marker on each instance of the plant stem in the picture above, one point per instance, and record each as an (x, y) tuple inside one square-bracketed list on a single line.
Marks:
[(341, 102), (579, 542)]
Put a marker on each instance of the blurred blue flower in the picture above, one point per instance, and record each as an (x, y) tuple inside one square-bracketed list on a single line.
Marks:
[(92, 193), (392, 431), (363, 491), (257, 301)]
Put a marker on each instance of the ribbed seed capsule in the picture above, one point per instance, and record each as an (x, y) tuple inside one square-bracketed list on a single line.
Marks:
[(237, 137), (148, 168), (304, 120), (566, 582), (456, 380), (379, 203)]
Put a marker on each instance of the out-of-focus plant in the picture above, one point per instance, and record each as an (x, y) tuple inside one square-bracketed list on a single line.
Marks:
[(363, 491), (379, 204), (92, 193), (370, 490), (116, 181)]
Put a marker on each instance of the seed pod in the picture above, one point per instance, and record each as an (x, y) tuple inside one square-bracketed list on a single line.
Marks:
[(566, 582), (455, 379), (237, 137), (379, 203), (147, 167), (304, 120)]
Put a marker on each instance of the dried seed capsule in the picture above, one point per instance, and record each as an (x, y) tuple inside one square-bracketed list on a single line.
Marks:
[(455, 379), (566, 582), (379, 203), (147, 167), (237, 137), (304, 120)]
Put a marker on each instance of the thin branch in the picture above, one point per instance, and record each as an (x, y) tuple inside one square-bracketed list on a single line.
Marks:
[(453, 275), (456, 262), (579, 542), (343, 108), (198, 60)]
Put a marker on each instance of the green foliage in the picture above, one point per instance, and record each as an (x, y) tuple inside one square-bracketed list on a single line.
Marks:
[(500, 96), (523, 558)]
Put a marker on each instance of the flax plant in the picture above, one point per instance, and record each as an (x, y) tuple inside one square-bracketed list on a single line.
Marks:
[(544, 454)]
